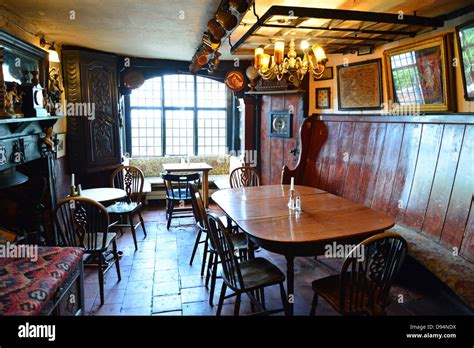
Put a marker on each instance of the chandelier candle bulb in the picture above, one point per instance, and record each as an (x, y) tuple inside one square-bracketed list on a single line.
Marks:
[(279, 52), (292, 184), (304, 45), (73, 180), (265, 62), (258, 57), (319, 53)]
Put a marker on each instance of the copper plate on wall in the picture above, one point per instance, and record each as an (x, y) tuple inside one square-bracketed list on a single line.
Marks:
[(235, 80), (133, 79)]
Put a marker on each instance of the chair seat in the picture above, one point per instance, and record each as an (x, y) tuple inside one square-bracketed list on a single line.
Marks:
[(123, 208), (239, 240), (329, 289), (98, 244), (259, 272), (179, 195)]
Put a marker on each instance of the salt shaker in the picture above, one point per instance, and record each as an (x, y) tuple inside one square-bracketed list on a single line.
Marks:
[(298, 203)]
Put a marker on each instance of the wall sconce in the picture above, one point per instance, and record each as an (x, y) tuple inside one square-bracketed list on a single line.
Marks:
[(53, 54)]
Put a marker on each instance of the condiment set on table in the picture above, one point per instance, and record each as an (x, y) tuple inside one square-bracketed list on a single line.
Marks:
[(294, 204)]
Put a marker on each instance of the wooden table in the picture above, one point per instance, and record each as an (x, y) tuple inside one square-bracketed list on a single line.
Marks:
[(193, 167), (262, 213), (104, 194)]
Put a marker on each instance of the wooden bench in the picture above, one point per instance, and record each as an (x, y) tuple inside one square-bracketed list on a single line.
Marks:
[(416, 169), (447, 265)]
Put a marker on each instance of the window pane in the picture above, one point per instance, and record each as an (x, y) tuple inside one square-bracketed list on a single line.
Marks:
[(146, 132), (212, 132), (179, 132), (210, 93), (149, 94), (179, 90)]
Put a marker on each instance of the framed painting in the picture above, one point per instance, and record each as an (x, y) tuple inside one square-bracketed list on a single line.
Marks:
[(279, 123), (323, 98), (359, 85), (328, 74), (417, 75), (465, 34), (61, 145)]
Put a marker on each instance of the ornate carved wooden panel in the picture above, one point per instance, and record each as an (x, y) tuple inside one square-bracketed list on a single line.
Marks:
[(93, 129)]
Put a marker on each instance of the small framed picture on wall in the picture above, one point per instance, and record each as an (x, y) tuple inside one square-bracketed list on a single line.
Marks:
[(279, 124), (328, 74), (61, 145), (323, 98)]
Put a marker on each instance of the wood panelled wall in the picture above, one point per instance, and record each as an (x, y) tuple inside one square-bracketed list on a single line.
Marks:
[(420, 170), (276, 152)]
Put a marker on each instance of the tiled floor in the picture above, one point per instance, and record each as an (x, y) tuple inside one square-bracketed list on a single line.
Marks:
[(158, 280)]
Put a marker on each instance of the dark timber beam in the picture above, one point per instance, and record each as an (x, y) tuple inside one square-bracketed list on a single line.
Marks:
[(308, 12), (347, 30), (348, 15)]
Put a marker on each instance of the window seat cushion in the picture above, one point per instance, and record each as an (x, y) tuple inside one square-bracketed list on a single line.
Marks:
[(153, 166), (453, 270)]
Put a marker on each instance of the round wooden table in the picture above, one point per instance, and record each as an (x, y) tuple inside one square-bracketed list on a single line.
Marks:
[(262, 213), (104, 194)]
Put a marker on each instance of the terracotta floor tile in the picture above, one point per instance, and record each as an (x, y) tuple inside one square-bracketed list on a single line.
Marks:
[(166, 276), (166, 288), (191, 281), (197, 294), (143, 274), (165, 264), (136, 300), (107, 309), (113, 296), (198, 308), (166, 303), (139, 287), (142, 311)]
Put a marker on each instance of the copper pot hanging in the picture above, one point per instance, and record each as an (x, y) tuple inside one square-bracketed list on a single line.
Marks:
[(216, 29), (240, 6), (211, 41), (226, 19)]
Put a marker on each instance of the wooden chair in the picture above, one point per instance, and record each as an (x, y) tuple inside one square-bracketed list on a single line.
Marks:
[(245, 176), (244, 277), (366, 276), (238, 239), (177, 191), (84, 223), (130, 179)]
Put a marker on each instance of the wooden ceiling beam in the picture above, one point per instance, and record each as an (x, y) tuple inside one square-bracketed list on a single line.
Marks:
[(308, 12)]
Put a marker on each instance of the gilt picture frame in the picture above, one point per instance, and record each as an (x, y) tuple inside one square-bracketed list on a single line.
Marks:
[(359, 85), (419, 74), (328, 74), (465, 39)]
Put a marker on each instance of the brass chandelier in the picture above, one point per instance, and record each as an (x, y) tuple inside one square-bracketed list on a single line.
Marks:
[(295, 68)]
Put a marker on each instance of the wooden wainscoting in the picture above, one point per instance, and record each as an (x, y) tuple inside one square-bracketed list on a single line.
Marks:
[(420, 170)]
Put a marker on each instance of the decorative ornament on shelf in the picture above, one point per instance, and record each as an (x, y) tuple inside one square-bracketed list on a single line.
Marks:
[(54, 92), (252, 75), (293, 67)]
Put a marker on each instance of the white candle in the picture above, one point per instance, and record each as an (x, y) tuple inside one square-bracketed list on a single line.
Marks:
[(292, 183), (73, 179)]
